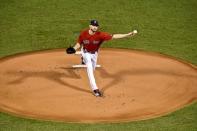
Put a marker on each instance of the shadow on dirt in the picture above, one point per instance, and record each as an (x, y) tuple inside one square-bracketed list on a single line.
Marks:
[(116, 77), (119, 76), (55, 76)]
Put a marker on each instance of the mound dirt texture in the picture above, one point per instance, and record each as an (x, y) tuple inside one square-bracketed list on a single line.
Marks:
[(136, 85)]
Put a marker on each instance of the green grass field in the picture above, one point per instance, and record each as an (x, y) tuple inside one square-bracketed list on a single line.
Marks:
[(165, 26)]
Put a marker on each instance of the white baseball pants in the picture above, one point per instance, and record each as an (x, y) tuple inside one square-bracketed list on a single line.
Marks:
[(90, 61)]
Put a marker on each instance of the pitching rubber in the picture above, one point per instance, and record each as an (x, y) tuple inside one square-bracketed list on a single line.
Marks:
[(83, 66)]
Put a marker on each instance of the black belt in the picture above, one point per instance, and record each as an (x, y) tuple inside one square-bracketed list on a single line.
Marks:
[(91, 52)]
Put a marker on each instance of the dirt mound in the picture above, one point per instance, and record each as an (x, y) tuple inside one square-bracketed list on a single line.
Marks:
[(136, 85)]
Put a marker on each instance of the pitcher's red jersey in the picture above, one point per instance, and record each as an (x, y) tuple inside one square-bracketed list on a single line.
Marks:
[(92, 42)]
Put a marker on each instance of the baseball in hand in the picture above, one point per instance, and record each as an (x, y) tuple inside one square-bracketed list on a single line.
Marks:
[(135, 31)]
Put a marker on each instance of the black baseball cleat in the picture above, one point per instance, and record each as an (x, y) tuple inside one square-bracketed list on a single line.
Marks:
[(97, 93)]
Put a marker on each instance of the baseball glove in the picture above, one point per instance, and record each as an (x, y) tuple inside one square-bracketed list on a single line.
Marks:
[(70, 50)]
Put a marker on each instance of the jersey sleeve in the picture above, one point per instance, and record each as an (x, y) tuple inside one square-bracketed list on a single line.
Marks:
[(106, 36)]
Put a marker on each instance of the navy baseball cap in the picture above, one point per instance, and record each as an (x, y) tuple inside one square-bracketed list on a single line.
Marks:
[(94, 23)]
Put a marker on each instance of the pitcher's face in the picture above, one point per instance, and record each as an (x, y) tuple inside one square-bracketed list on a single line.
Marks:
[(93, 28)]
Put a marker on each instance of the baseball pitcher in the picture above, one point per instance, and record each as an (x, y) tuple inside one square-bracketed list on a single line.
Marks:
[(90, 41)]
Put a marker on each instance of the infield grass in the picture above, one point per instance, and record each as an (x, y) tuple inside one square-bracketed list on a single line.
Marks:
[(165, 26)]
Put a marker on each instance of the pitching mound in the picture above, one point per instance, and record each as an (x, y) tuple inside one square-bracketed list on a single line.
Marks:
[(136, 85)]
